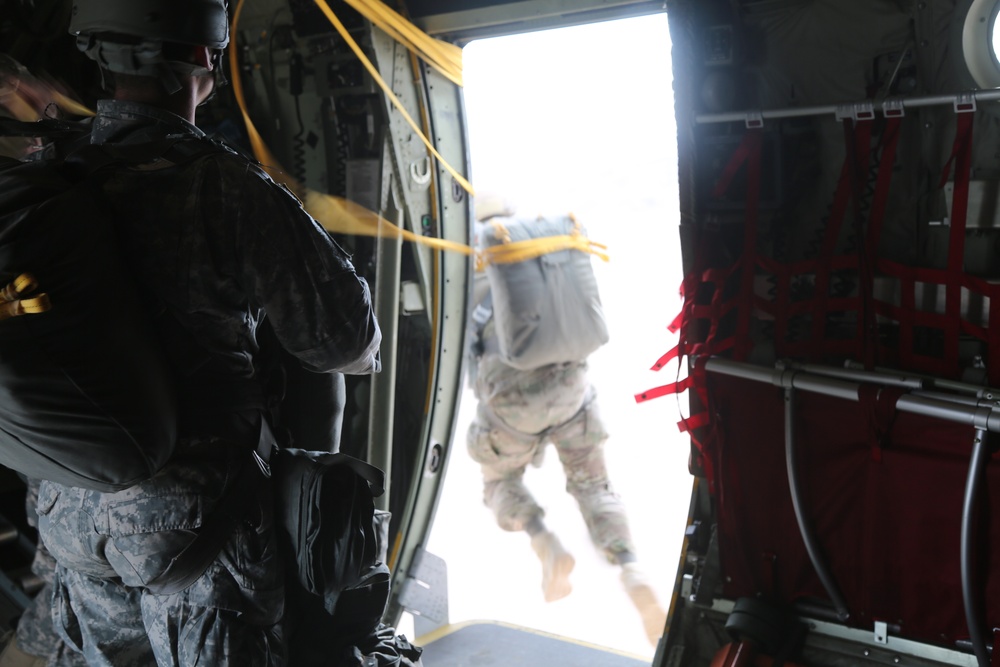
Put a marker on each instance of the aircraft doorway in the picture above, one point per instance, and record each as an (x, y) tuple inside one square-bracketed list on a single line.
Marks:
[(581, 119)]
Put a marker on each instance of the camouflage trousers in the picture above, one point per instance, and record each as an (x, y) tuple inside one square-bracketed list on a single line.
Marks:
[(108, 546), (35, 633), (512, 428)]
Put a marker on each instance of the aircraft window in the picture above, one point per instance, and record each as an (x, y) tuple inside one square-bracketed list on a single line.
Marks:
[(995, 38), (581, 119), (981, 42)]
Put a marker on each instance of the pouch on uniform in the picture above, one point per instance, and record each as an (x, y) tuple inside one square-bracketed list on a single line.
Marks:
[(335, 544), (86, 393), (330, 529), (546, 309)]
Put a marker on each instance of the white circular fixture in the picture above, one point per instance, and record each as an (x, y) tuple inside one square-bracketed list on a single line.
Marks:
[(980, 41)]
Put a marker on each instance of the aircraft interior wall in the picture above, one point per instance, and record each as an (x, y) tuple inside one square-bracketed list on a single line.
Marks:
[(845, 57), (839, 174)]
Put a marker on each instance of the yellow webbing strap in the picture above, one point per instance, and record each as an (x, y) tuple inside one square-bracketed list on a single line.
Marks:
[(389, 94), (20, 108), (23, 284), (11, 302), (336, 214), (446, 58), (26, 98), (71, 105), (345, 217), (509, 252), (36, 304)]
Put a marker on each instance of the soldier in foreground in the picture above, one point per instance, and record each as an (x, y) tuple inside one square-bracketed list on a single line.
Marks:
[(216, 247)]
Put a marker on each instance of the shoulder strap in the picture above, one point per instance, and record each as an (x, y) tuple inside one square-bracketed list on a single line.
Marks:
[(481, 316)]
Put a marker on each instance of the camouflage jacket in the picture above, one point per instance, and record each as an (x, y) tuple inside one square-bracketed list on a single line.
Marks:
[(218, 245)]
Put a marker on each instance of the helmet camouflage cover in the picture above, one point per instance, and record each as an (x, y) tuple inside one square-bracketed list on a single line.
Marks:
[(197, 22), (128, 36)]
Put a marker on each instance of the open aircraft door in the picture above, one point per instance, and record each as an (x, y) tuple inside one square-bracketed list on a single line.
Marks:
[(390, 135), (346, 103)]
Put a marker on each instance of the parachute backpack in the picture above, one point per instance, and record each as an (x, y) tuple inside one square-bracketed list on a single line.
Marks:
[(86, 392), (545, 301)]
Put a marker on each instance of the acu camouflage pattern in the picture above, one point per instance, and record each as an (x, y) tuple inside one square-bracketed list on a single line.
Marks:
[(35, 633), (519, 414), (220, 244), (217, 245), (109, 545)]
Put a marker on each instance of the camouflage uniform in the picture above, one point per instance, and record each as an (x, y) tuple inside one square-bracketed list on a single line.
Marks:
[(519, 414), (35, 633), (216, 245)]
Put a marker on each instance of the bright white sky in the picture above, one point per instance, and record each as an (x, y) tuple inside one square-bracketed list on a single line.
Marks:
[(572, 116), (581, 119)]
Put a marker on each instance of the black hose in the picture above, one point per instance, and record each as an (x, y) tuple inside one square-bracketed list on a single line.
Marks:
[(977, 468), (812, 546)]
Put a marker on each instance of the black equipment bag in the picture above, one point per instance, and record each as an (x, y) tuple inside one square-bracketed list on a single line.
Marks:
[(86, 393), (332, 532), (335, 545)]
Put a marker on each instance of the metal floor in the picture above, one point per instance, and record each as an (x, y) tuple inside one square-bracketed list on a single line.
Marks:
[(495, 644)]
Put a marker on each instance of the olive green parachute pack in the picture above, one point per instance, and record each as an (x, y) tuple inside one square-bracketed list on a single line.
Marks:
[(86, 393)]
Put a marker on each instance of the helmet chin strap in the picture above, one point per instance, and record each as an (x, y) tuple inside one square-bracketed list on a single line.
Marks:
[(146, 59)]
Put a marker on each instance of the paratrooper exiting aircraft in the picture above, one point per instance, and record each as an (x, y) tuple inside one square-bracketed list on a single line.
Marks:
[(839, 179)]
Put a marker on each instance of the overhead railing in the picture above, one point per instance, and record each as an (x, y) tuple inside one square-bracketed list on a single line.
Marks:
[(891, 107), (983, 414)]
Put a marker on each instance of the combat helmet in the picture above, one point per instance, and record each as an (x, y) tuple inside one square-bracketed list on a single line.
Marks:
[(128, 36)]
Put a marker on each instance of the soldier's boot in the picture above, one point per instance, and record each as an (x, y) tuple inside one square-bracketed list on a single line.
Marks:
[(654, 618), (557, 564), (13, 656)]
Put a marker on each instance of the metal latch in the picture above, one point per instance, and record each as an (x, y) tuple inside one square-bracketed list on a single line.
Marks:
[(881, 632), (893, 108), (965, 103), (856, 111), (754, 120)]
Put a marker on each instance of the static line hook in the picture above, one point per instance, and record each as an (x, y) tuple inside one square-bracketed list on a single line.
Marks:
[(421, 178)]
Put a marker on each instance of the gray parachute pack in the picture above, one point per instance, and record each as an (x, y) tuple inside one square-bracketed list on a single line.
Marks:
[(545, 300)]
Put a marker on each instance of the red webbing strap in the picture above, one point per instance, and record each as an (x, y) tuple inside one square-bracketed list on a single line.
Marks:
[(907, 311), (912, 317), (748, 262), (696, 380), (701, 350), (688, 424), (699, 384), (857, 140), (742, 153), (953, 278), (867, 322), (664, 390), (961, 155), (879, 405), (717, 308), (671, 354), (748, 151), (782, 302), (995, 655), (890, 139), (677, 322)]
